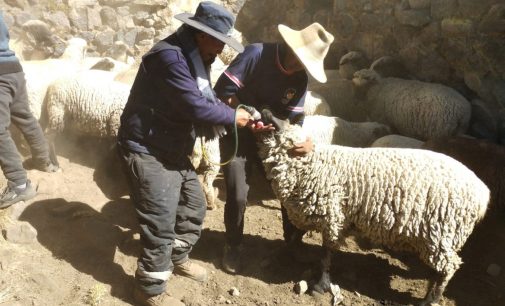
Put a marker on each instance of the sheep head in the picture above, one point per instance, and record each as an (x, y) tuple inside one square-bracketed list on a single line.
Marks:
[(362, 80), (276, 144), (287, 132)]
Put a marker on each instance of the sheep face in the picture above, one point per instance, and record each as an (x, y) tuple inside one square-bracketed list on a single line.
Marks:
[(284, 137), (365, 77), (362, 80)]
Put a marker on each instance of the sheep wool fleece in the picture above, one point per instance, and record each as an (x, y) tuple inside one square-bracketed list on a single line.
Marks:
[(406, 199)]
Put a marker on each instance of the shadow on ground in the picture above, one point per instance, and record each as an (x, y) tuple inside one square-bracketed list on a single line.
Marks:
[(85, 238)]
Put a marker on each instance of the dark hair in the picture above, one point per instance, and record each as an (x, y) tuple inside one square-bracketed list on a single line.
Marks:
[(192, 30)]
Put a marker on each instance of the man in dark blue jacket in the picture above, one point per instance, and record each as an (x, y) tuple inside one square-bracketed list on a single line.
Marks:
[(171, 101), (14, 108)]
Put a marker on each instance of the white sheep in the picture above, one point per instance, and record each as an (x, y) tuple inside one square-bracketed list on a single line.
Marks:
[(40, 73), (335, 130), (406, 199), (315, 104), (208, 166), (416, 109), (88, 103), (397, 141)]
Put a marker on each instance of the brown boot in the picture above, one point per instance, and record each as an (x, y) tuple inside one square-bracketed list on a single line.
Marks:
[(163, 299), (191, 270)]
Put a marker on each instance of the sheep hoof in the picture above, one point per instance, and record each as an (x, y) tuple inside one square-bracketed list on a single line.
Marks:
[(320, 289)]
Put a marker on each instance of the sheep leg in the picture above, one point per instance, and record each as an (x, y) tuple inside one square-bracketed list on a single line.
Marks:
[(208, 188), (324, 283), (209, 175), (437, 288), (51, 139)]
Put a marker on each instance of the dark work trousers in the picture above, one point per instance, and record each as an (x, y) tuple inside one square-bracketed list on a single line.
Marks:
[(170, 207), (237, 176), (14, 108)]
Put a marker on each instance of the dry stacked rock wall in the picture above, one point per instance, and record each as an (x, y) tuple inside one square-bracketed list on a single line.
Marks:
[(137, 23), (460, 43)]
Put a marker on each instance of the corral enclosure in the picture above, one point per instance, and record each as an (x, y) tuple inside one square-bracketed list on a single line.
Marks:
[(86, 245)]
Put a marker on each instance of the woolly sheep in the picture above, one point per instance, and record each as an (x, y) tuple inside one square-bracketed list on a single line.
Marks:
[(406, 199), (208, 166), (315, 104), (397, 141), (338, 93), (335, 130), (413, 108), (483, 157), (41, 73), (88, 103)]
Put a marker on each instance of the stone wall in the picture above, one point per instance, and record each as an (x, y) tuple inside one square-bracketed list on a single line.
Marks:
[(137, 23), (460, 43)]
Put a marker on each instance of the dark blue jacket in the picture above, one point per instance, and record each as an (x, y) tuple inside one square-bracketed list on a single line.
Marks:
[(165, 103), (9, 63)]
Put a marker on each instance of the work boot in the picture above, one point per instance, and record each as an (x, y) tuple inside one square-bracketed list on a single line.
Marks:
[(163, 299), (12, 195), (191, 270), (231, 258)]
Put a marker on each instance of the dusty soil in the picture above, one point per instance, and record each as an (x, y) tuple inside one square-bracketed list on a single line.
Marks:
[(87, 244)]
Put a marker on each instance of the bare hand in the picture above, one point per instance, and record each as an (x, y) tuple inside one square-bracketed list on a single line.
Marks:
[(302, 149), (258, 127), (242, 117)]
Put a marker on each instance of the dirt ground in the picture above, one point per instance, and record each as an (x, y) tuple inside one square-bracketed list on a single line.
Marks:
[(86, 248)]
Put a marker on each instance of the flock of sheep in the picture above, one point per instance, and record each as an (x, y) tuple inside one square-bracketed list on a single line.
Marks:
[(380, 176)]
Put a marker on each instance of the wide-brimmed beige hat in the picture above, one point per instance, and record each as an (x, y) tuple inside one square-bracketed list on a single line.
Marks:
[(310, 46)]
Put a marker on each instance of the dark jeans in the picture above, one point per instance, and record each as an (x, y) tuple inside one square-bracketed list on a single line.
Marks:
[(170, 208), (237, 176), (14, 108)]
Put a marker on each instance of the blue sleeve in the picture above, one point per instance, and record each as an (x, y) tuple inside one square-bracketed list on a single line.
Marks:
[(295, 106), (4, 39), (238, 72), (174, 80)]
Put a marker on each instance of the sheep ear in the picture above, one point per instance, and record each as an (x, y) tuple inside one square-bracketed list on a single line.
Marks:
[(269, 118)]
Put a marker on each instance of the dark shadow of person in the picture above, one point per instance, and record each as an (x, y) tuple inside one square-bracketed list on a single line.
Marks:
[(85, 238)]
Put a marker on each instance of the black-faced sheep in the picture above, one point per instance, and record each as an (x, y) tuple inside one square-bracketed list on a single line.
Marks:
[(416, 109), (406, 199)]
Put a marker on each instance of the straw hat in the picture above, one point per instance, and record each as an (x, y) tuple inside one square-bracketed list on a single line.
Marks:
[(214, 20), (310, 46)]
